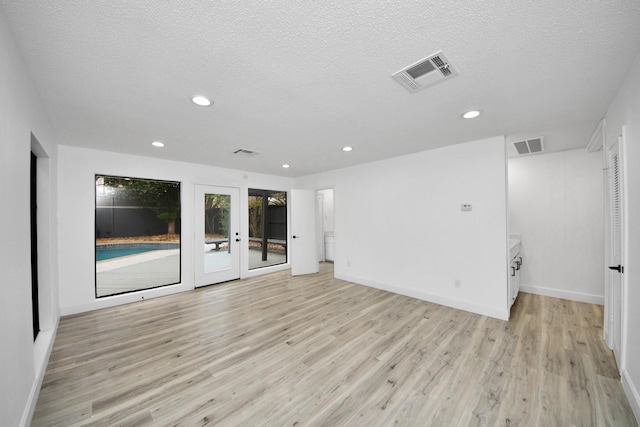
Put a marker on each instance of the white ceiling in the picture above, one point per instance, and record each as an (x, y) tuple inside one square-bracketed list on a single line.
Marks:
[(297, 81)]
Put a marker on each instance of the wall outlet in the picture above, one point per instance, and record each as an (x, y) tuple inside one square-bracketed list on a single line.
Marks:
[(466, 207), (457, 283)]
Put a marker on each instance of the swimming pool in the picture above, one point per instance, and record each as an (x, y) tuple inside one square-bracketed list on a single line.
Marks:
[(104, 252)]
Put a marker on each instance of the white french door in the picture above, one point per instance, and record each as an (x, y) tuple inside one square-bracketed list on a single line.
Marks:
[(217, 234), (304, 258)]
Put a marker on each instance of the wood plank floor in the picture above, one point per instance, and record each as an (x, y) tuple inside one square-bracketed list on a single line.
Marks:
[(316, 351)]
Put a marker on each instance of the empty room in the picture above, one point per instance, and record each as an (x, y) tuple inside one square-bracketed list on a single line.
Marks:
[(363, 213)]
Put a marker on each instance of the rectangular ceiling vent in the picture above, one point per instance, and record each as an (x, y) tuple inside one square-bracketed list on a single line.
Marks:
[(426, 72), (529, 146), (245, 153)]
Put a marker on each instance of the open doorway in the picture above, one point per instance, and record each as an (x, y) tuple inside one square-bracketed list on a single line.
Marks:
[(325, 212), (556, 206), (34, 247)]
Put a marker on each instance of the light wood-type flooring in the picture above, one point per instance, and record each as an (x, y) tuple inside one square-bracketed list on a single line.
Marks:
[(317, 351)]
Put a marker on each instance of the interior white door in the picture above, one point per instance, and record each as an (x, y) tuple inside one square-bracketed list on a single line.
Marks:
[(217, 234), (615, 291), (304, 259)]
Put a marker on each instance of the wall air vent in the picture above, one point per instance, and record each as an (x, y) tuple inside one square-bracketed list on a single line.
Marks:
[(529, 146), (245, 153), (426, 72)]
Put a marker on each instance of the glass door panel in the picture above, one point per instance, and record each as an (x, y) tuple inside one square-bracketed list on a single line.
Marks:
[(267, 239), (217, 251)]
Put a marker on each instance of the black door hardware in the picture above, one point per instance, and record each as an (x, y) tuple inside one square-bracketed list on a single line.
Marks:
[(619, 268)]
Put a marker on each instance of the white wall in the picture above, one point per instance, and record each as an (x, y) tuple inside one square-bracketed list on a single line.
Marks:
[(399, 227), (327, 210), (77, 170), (22, 361), (556, 203), (625, 110)]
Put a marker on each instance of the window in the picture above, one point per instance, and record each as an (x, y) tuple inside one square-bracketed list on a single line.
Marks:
[(267, 228), (137, 234)]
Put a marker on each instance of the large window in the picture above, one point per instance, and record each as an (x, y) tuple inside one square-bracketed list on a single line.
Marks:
[(137, 234), (267, 228)]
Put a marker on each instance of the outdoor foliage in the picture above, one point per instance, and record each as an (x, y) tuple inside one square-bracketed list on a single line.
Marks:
[(163, 197), (217, 212), (278, 198)]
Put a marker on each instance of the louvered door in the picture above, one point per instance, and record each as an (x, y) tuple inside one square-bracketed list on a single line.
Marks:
[(616, 293)]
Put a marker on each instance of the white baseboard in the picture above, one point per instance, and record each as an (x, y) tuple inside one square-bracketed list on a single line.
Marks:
[(437, 299), (632, 394), (42, 352), (141, 295), (115, 300), (560, 293)]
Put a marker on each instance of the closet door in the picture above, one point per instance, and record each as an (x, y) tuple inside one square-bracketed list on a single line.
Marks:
[(615, 292)]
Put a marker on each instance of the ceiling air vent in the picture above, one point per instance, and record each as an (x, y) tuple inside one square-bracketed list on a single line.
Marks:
[(245, 153), (426, 72), (529, 146)]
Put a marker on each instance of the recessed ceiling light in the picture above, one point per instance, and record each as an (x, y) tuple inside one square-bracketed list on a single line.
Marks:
[(471, 114), (202, 101), (286, 166), (157, 144), (347, 148)]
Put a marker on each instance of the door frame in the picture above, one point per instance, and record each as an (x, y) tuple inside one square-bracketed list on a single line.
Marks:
[(35, 297), (320, 227), (320, 222)]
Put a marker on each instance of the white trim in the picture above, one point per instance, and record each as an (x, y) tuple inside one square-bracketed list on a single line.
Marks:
[(42, 351), (597, 138), (501, 314), (127, 298), (619, 350), (265, 270), (607, 328), (624, 306), (632, 393), (564, 294)]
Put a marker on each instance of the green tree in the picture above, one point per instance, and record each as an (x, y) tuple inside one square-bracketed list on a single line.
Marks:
[(255, 208), (162, 197), (219, 205), (255, 213)]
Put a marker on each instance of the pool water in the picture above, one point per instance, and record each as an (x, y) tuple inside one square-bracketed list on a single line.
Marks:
[(104, 252)]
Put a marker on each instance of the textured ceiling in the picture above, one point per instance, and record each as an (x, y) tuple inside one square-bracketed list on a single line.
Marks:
[(296, 81)]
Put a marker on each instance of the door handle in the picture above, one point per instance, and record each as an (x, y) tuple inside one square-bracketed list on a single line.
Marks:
[(295, 237), (619, 268), (513, 271)]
